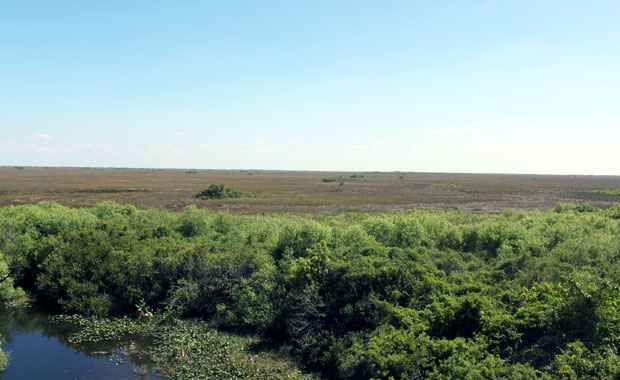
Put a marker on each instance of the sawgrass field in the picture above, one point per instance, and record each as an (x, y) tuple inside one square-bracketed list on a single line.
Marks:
[(301, 192)]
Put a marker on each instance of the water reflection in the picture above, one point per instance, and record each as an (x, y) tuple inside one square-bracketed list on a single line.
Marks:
[(39, 350)]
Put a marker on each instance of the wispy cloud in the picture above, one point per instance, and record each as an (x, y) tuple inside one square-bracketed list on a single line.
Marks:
[(366, 147), (269, 150), (51, 148), (359, 148), (262, 147), (180, 134), (453, 131), (254, 144), (42, 136), (163, 148), (76, 147), (40, 148)]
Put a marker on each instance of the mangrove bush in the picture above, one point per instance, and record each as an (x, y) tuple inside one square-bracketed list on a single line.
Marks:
[(416, 294)]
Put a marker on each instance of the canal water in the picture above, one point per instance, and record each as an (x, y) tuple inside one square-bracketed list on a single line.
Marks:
[(38, 349)]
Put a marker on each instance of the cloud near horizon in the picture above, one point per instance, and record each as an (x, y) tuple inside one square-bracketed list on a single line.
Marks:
[(42, 136), (453, 131)]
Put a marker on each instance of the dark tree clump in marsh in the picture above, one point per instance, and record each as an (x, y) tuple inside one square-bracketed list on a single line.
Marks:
[(219, 191)]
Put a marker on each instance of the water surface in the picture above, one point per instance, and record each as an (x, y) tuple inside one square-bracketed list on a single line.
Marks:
[(38, 349)]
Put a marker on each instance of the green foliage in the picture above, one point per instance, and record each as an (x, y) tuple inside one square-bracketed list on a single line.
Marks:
[(8, 292), (193, 221), (567, 207), (4, 359), (419, 294), (254, 298), (609, 193), (577, 362), (219, 191)]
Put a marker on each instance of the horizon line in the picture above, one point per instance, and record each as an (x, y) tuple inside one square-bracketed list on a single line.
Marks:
[(304, 170)]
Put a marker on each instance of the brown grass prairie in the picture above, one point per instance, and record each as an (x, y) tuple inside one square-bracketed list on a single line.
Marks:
[(301, 192)]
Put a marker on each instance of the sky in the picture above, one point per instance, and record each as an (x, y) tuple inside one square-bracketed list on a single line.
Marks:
[(523, 86)]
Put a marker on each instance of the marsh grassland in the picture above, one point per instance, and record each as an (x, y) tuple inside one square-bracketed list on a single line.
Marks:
[(301, 192)]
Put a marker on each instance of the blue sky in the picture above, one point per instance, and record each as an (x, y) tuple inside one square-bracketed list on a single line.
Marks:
[(453, 86)]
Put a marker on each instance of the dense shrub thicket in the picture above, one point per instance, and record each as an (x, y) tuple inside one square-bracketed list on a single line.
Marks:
[(8, 295), (421, 294)]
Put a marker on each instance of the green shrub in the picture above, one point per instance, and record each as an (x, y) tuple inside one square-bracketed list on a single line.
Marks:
[(219, 191), (609, 193), (4, 358)]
